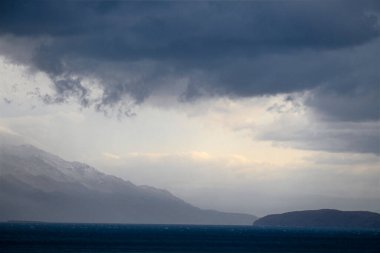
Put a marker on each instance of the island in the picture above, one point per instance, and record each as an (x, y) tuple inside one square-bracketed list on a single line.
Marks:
[(324, 218)]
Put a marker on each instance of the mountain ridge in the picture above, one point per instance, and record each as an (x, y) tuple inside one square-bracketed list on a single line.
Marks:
[(37, 185)]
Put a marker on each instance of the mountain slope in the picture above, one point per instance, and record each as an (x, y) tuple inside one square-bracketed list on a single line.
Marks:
[(36, 185), (325, 218)]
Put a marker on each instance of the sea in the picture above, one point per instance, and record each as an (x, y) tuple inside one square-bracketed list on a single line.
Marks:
[(49, 237)]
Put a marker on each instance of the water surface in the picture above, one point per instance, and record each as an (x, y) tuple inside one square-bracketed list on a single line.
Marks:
[(47, 237)]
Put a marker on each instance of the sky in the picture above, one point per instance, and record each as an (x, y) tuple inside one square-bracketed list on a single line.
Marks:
[(246, 106)]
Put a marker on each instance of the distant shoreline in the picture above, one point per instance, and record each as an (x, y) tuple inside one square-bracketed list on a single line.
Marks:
[(25, 221)]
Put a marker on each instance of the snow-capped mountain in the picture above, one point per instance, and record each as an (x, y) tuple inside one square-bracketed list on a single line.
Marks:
[(36, 185)]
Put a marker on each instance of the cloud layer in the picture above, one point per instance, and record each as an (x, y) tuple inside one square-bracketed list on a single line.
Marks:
[(135, 50)]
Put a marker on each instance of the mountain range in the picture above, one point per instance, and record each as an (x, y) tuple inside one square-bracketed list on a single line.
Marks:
[(38, 186)]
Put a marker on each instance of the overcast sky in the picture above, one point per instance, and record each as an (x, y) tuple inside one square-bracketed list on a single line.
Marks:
[(250, 106)]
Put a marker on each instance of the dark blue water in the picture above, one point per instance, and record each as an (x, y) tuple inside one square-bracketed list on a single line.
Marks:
[(160, 238)]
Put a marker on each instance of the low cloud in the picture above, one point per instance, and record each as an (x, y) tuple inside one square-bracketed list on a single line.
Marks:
[(330, 137), (286, 122)]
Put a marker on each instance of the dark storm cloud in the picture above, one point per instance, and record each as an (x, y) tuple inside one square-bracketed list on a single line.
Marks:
[(67, 88), (230, 49)]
